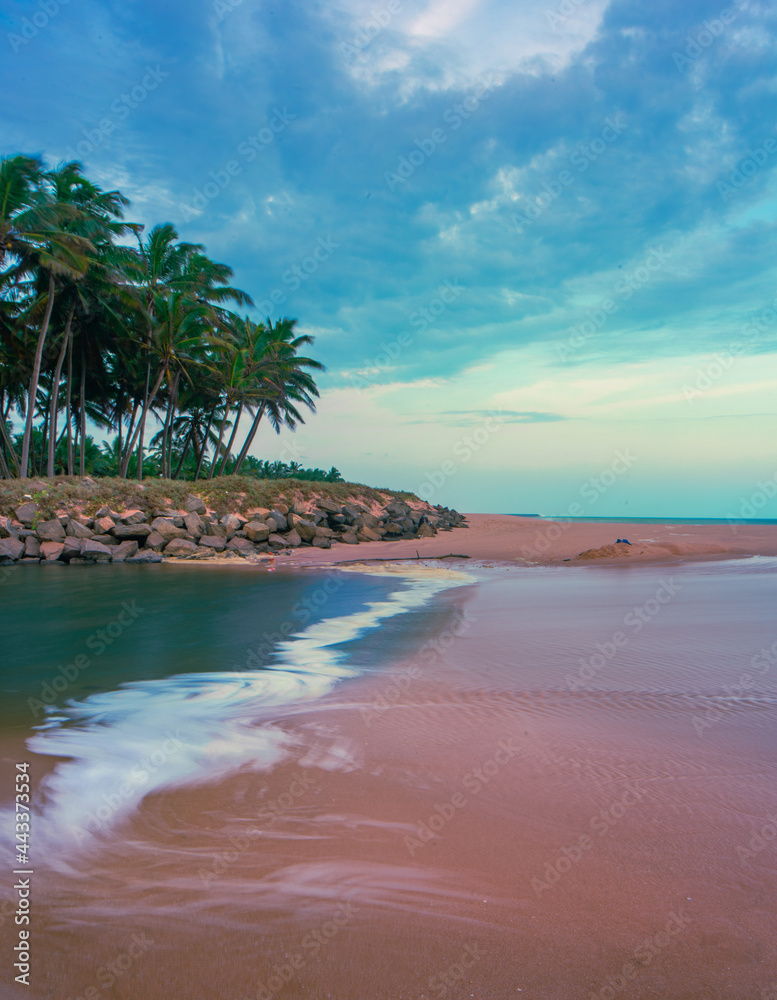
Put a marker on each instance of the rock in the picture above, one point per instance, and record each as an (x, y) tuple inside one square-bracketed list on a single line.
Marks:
[(293, 539), (133, 517), (397, 508), (242, 546), (128, 532), (277, 521), (106, 540), (257, 513), (107, 512), (349, 537), (50, 531), (281, 508), (180, 548), (305, 529), (26, 512), (72, 547), (323, 532), (63, 517), (28, 561), (298, 507), (11, 549), (215, 529), (328, 505), (7, 530), (155, 542), (50, 551), (203, 552), (212, 542), (144, 556), (194, 524), (425, 530), (165, 526), (368, 535), (86, 481), (96, 551), (321, 542), (233, 523), (31, 547), (25, 533), (257, 531), (124, 551), (392, 529), (78, 530), (103, 524), (196, 506), (276, 542)]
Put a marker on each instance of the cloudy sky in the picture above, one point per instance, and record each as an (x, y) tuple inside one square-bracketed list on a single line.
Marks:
[(534, 241)]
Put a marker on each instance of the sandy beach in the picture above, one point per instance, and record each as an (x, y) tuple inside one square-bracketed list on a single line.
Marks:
[(544, 796)]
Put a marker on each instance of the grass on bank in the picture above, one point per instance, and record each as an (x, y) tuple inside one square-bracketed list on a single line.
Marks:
[(226, 494)]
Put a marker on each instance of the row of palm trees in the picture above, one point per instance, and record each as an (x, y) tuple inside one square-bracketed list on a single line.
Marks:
[(133, 332)]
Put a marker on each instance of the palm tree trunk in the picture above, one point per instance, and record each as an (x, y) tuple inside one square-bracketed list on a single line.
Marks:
[(69, 407), (82, 417), (214, 463), (33, 390), (55, 392), (141, 431), (201, 457), (249, 439), (183, 451), (231, 439), (8, 443), (141, 424)]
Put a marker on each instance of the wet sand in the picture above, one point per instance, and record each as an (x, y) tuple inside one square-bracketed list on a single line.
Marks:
[(500, 816)]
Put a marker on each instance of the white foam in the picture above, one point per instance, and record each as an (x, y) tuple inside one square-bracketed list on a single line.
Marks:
[(147, 735)]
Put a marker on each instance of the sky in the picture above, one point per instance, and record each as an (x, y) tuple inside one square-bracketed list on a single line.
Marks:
[(534, 241)]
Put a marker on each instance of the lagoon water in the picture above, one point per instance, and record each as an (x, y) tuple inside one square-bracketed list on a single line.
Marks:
[(415, 782)]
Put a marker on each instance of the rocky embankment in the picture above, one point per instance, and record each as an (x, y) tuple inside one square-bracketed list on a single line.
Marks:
[(197, 532)]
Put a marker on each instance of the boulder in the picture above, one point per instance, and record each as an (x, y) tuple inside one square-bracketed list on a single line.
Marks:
[(282, 508), (96, 551), (425, 530), (242, 546), (27, 512), (322, 543), (78, 530), (276, 542), (31, 547), (293, 539), (257, 513), (7, 530), (194, 524), (144, 556), (203, 552), (233, 523), (133, 517), (11, 549), (257, 531), (50, 551), (215, 529), (212, 542), (349, 537), (180, 548), (196, 506), (106, 539), (165, 526), (71, 548), (328, 505), (322, 531), (277, 521), (129, 532), (103, 524), (63, 518), (368, 535), (124, 551), (392, 529), (155, 542), (305, 529), (50, 531)]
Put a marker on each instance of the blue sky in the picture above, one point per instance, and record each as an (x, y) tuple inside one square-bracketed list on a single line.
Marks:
[(528, 238)]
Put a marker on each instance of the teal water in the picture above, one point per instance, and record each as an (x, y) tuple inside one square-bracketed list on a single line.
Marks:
[(650, 520)]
